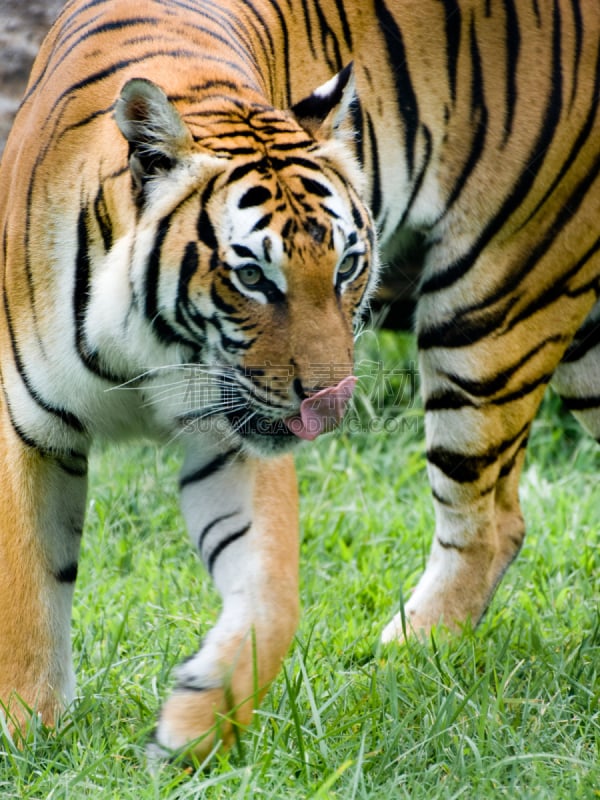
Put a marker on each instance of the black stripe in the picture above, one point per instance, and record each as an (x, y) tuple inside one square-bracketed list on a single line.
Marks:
[(479, 120), (439, 499), (285, 43), (206, 232), (118, 66), (449, 545), (453, 272), (376, 195), (224, 39), (584, 403), (586, 130), (208, 469), (513, 48), (452, 400), (81, 298), (453, 23), (309, 28), (464, 468), (72, 463), (283, 147), (255, 196), (314, 187), (329, 41), (190, 687), (207, 528), (67, 417), (578, 24), (65, 36), (187, 269), (509, 465), (406, 98), (162, 328), (420, 177), (67, 574), (586, 338), (186, 312), (448, 400), (490, 386), (458, 466), (232, 345), (262, 223), (523, 390), (557, 289), (465, 328), (346, 31), (244, 252), (216, 298), (86, 120), (473, 323), (481, 493), (224, 543), (294, 161), (357, 127), (105, 27), (262, 31), (103, 219)]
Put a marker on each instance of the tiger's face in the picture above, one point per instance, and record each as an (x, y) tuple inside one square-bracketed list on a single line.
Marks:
[(266, 259)]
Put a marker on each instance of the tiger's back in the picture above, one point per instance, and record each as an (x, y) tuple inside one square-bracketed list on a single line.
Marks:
[(183, 257)]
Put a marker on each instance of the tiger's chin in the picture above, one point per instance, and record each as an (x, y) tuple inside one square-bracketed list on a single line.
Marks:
[(262, 436)]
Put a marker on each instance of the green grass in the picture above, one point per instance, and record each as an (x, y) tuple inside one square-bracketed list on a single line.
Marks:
[(511, 710)]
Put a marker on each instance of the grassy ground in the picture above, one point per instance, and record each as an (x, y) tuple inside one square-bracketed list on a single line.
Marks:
[(511, 710)]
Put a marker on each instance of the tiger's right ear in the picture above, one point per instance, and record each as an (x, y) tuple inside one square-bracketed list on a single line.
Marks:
[(323, 111), (157, 135)]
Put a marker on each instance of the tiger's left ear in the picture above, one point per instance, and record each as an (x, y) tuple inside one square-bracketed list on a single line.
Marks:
[(322, 112), (157, 135)]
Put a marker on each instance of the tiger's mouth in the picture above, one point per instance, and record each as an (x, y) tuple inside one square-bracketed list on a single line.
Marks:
[(319, 413)]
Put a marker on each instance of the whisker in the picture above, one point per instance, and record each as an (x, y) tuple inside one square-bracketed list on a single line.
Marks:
[(218, 370)]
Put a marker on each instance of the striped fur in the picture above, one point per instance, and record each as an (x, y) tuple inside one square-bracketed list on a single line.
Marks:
[(170, 234)]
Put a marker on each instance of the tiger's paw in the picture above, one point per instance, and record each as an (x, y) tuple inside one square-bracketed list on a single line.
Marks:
[(413, 626), (410, 624), (398, 630), (195, 724), (422, 615)]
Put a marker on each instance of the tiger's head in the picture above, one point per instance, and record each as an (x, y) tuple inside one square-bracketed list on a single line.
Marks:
[(255, 254)]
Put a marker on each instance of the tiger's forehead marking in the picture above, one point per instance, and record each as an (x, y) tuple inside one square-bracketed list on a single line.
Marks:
[(274, 215), (236, 128), (292, 195)]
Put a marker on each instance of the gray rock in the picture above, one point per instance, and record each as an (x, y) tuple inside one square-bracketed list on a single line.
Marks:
[(23, 25)]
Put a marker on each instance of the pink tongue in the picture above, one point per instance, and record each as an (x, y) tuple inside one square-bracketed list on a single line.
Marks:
[(322, 411)]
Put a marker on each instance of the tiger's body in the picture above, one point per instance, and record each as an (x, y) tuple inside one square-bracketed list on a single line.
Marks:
[(165, 225)]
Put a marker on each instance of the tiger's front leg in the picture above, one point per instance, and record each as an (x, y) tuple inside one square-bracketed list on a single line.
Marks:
[(242, 515)]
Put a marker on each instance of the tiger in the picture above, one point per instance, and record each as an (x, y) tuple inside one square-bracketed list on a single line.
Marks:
[(191, 233)]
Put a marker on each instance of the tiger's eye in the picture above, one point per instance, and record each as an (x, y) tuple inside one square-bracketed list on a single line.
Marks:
[(250, 276), (347, 267)]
